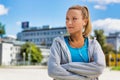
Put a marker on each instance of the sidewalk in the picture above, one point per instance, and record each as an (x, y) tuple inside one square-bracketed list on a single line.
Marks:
[(110, 75), (38, 73), (24, 74)]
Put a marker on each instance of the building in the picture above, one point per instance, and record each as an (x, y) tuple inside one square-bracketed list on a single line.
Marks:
[(38, 35), (10, 51), (45, 53), (114, 39)]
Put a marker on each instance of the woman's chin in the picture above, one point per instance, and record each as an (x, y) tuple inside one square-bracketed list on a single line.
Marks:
[(71, 32)]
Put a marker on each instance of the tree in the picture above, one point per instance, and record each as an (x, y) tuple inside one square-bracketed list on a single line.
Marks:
[(2, 30), (100, 37), (34, 52), (107, 48)]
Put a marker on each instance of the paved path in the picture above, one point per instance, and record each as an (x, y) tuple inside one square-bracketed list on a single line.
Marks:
[(110, 75), (41, 74), (24, 74)]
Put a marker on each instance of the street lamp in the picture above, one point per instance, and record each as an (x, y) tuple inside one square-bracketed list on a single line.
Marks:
[(116, 53), (24, 58), (29, 56)]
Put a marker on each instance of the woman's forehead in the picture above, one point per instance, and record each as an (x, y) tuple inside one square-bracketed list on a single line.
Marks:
[(73, 12)]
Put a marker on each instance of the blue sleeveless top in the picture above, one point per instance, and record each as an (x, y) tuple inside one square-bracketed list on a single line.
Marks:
[(79, 54)]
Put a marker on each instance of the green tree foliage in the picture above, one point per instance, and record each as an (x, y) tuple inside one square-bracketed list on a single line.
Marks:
[(102, 40), (100, 37), (108, 48), (2, 29), (34, 52)]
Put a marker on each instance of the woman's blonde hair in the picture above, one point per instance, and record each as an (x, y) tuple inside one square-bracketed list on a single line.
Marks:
[(85, 15)]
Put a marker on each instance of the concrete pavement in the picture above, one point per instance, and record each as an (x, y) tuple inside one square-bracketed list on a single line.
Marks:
[(24, 74), (110, 75), (37, 73)]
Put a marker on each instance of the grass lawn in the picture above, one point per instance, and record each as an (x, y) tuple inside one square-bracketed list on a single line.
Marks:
[(116, 68)]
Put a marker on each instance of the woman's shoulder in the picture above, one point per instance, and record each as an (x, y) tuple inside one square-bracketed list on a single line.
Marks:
[(60, 38), (93, 41), (57, 38)]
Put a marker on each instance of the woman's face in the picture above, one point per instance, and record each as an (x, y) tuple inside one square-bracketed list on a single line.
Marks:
[(74, 21)]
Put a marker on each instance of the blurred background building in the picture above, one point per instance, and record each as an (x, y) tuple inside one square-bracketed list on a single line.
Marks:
[(10, 51), (38, 35), (114, 39)]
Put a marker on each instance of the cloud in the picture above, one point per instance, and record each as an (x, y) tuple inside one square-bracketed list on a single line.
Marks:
[(12, 36), (108, 25), (105, 1), (102, 4), (18, 23), (102, 7), (3, 10)]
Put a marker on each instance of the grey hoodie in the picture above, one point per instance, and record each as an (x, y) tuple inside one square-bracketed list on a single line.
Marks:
[(60, 66)]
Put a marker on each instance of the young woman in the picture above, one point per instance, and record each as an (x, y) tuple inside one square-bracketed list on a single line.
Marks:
[(76, 57)]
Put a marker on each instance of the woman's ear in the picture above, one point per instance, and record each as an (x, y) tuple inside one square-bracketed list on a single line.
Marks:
[(85, 22)]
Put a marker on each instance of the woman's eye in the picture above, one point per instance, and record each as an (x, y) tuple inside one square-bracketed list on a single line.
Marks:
[(67, 18), (74, 18)]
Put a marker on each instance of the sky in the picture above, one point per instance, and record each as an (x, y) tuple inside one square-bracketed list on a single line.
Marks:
[(105, 14)]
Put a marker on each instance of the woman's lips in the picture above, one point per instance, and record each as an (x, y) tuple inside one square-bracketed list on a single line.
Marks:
[(70, 27)]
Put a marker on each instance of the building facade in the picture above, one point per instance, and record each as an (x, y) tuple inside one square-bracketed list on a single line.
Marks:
[(40, 36), (10, 52), (114, 39)]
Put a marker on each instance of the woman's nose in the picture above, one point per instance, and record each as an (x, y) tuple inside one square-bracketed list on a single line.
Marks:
[(69, 22)]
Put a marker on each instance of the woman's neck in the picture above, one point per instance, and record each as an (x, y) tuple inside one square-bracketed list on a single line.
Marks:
[(76, 37), (76, 41)]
